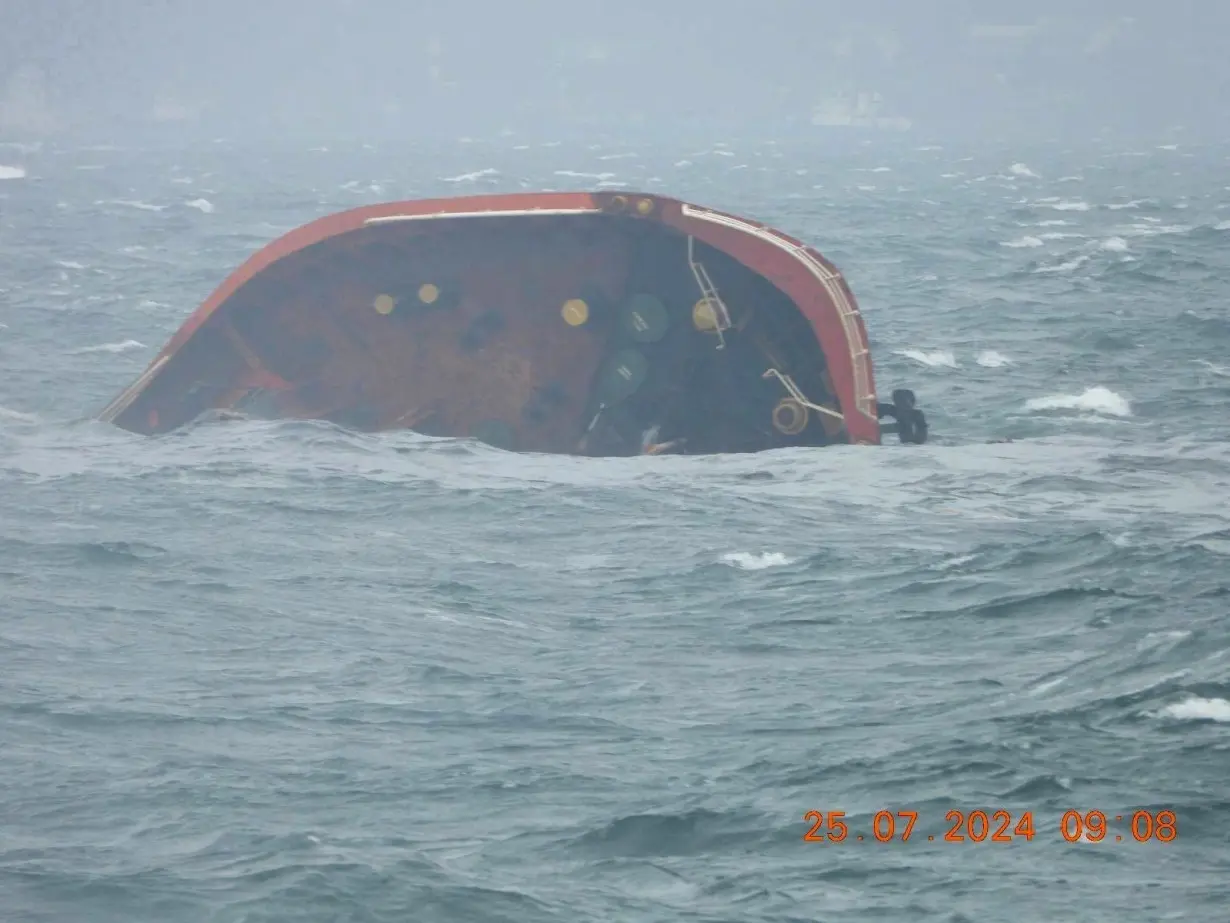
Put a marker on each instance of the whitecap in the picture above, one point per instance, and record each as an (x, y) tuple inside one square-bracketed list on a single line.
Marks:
[(746, 561), (471, 177), (121, 347), (202, 205), (1094, 400), (1195, 708), (1214, 546), (1026, 241), (934, 358), (1020, 169), (17, 416), (992, 360), (1222, 226), (958, 561), (577, 175), (1069, 205), (1155, 230), (1155, 641), (130, 203), (1048, 685), (12, 172), (1115, 245), (1215, 369), (1066, 266)]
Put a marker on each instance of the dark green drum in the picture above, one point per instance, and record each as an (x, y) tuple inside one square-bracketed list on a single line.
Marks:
[(644, 318), (621, 375)]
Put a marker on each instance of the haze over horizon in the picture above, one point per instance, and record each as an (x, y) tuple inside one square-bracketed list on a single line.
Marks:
[(379, 70)]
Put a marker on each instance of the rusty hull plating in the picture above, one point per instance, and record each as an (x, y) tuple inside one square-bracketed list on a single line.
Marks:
[(578, 323)]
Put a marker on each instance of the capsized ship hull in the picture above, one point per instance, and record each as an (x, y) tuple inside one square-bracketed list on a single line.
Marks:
[(578, 323)]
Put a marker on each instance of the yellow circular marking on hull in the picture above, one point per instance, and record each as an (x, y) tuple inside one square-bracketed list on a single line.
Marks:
[(575, 312), (384, 304), (704, 318), (428, 293), (644, 206), (789, 417)]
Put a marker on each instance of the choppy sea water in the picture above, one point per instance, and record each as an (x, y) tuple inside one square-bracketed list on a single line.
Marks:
[(280, 671)]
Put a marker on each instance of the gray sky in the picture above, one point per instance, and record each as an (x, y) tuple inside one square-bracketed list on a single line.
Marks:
[(389, 69)]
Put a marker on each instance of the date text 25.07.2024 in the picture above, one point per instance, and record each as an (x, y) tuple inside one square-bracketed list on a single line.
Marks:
[(993, 827)]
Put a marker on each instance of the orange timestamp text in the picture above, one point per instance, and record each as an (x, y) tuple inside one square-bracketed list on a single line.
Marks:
[(992, 827)]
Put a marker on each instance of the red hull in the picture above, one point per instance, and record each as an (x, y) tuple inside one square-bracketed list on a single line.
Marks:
[(384, 307)]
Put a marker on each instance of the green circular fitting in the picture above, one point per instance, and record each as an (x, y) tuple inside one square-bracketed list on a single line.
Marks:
[(621, 375), (644, 318)]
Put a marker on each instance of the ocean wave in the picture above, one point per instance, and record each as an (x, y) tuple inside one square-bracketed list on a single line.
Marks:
[(934, 358), (1097, 400), (992, 360), (122, 346), (744, 560), (472, 177), (1195, 708)]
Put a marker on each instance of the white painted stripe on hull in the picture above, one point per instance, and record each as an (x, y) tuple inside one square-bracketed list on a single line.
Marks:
[(489, 213)]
